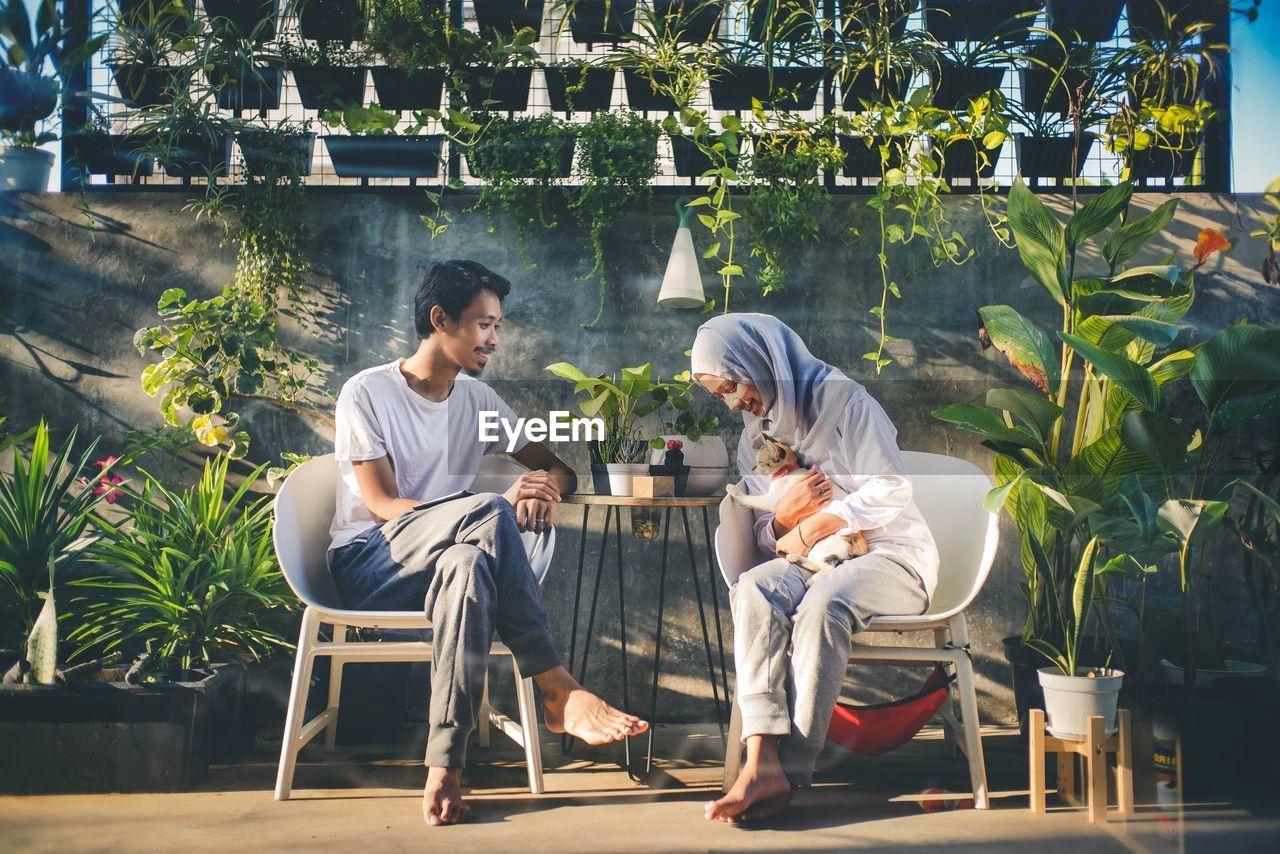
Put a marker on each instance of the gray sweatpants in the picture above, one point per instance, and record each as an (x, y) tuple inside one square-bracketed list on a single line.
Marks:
[(792, 632), (463, 562)]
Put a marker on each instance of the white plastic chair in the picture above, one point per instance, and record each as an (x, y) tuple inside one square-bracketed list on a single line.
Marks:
[(949, 493), (304, 510)]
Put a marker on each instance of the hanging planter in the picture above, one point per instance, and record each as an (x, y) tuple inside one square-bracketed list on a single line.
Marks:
[(1036, 93), (136, 12), (862, 160), (692, 21), (539, 148), (690, 160), (505, 89), (246, 15), (195, 155), (1051, 157), (955, 85), (265, 154), (976, 20), (596, 92), (1163, 163), (641, 95), (331, 20), (897, 11), (862, 86), (249, 87), (507, 16), (962, 161), (24, 170), (794, 87), (323, 88), (1147, 21), (106, 154), (398, 89), (384, 156), (143, 86), (1089, 20), (788, 21), (588, 23)]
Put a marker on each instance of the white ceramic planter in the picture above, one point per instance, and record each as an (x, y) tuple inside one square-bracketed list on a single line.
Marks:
[(620, 475), (1069, 701), (708, 461), (25, 170)]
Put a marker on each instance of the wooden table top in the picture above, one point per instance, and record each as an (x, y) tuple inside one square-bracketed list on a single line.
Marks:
[(631, 501)]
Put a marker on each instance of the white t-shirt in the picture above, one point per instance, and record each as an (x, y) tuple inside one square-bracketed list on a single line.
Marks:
[(435, 448)]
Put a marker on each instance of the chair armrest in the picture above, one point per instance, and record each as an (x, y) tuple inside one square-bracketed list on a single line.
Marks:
[(736, 549)]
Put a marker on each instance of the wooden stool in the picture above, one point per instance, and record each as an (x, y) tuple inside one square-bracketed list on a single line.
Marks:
[(1094, 748)]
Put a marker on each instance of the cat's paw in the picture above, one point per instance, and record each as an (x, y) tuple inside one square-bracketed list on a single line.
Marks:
[(731, 489)]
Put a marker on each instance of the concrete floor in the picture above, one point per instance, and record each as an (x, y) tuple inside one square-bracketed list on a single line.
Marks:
[(366, 798)]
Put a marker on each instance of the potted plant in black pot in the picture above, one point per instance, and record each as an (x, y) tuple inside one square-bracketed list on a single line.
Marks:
[(690, 20), (592, 21), (575, 84), (327, 74), (1084, 20), (329, 20), (782, 79), (1159, 141), (277, 150), (875, 62), (662, 73), (146, 52), (244, 73), (189, 138), (494, 72), (978, 20), (963, 72), (782, 21), (410, 38), (507, 16), (99, 152), (247, 17), (374, 148)]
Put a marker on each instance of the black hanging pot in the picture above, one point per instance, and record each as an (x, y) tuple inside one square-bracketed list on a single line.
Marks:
[(509, 15), (781, 21), (862, 160), (976, 20), (897, 11), (142, 85), (504, 90), (961, 160), (1087, 20), (1037, 95), (794, 87), (107, 154), (1146, 20), (1051, 157), (194, 155), (559, 152), (691, 21), (250, 87), (384, 156), (294, 154), (245, 15), (324, 88), (955, 85), (331, 20), (690, 160), (135, 12), (398, 89), (1162, 163), (641, 95), (862, 86), (588, 22), (596, 94)]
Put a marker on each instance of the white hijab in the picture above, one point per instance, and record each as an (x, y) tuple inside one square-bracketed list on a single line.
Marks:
[(804, 398)]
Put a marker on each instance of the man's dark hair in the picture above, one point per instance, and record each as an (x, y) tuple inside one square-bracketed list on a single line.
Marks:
[(452, 285)]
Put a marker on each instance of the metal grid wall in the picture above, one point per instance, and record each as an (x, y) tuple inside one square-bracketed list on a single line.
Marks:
[(555, 43)]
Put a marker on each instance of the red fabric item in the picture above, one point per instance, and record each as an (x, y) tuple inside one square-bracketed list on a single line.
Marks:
[(872, 730)]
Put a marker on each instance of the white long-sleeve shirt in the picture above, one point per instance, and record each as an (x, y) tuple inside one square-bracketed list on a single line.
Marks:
[(862, 459)]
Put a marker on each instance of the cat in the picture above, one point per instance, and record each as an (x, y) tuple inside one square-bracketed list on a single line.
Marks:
[(780, 462)]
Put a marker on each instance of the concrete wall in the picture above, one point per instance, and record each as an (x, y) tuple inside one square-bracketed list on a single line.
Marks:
[(77, 283)]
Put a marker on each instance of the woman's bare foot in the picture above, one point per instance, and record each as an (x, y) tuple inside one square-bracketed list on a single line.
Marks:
[(442, 801), (570, 708), (761, 790)]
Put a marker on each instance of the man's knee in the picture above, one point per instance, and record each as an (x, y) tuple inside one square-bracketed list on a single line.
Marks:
[(492, 508), (823, 607), (465, 566)]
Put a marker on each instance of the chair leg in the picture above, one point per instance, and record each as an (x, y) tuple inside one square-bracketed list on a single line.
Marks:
[(289, 744), (482, 726), (732, 749), (335, 690), (972, 731), (950, 714), (529, 726)]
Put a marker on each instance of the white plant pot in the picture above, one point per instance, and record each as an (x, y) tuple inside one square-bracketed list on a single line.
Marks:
[(1205, 678), (620, 475), (1069, 701), (707, 459), (25, 170)]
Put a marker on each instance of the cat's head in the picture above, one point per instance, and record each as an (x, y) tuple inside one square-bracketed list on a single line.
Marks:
[(772, 455)]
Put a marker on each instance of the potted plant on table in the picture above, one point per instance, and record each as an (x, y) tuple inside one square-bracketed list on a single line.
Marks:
[(702, 457)]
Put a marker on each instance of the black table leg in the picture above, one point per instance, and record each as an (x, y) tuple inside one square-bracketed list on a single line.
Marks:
[(657, 640), (577, 603), (595, 598), (702, 617), (622, 633), (714, 575)]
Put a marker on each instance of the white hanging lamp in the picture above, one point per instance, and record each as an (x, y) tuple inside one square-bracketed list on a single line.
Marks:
[(682, 282)]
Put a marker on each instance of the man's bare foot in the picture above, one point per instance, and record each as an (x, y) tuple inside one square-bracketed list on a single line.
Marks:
[(442, 801), (761, 790), (570, 708)]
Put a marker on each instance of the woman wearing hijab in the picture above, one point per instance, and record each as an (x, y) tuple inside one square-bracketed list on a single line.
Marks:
[(793, 628)]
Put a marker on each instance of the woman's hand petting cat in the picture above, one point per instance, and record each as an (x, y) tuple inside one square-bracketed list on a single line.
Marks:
[(805, 497), (800, 539)]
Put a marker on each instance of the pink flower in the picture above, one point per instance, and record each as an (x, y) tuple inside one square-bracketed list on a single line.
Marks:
[(106, 488), (104, 463), (674, 444)]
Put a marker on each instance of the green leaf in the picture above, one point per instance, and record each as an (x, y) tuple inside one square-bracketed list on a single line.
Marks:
[(1157, 437), (1036, 412), (985, 422), (1120, 369), (171, 296), (1040, 241), (1026, 345), (1191, 520), (1235, 362), (1128, 238), (1098, 213)]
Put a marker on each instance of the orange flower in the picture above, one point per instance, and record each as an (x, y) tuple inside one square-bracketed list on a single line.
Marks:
[(1209, 241)]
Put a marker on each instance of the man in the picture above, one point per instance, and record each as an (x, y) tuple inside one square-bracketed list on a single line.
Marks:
[(407, 436)]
